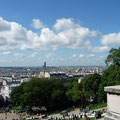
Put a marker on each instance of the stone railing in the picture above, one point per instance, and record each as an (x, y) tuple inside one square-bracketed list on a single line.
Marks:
[(113, 103)]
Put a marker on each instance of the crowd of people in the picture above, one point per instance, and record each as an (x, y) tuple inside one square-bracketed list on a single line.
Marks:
[(85, 115), (71, 117)]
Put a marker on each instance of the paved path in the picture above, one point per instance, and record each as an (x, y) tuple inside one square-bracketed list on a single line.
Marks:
[(8, 116), (77, 111)]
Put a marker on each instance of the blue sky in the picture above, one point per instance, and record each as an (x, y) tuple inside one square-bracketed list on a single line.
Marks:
[(60, 32)]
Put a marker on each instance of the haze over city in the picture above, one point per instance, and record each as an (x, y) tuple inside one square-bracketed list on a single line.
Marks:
[(62, 33)]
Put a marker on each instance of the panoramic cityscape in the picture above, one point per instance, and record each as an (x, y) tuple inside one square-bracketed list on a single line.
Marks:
[(59, 60), (11, 77)]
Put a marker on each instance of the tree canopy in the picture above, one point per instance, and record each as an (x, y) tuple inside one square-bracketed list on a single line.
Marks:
[(111, 76), (114, 57), (90, 86), (40, 92)]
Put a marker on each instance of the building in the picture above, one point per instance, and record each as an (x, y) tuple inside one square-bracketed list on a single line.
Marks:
[(52, 75), (44, 66), (44, 75), (7, 87)]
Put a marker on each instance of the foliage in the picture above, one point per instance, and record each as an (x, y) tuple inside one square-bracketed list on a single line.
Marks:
[(16, 94), (97, 106), (90, 87), (73, 93), (56, 95), (17, 108), (110, 77), (113, 57), (40, 92)]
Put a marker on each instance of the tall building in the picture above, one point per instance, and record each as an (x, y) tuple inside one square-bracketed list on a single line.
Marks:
[(44, 66)]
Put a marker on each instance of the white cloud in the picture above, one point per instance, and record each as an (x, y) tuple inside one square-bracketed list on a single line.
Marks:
[(49, 55), (90, 55), (64, 24), (74, 56), (102, 57), (111, 39), (65, 34), (4, 25), (6, 53), (18, 54), (12, 36), (83, 56), (34, 54), (11, 53), (69, 25), (37, 24), (71, 36), (100, 49)]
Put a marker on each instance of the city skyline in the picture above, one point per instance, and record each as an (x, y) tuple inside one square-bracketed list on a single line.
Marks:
[(62, 33)]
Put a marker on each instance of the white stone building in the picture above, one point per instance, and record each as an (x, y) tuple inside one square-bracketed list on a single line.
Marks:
[(44, 75), (7, 87)]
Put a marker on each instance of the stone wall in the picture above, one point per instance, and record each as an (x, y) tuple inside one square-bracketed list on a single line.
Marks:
[(113, 103)]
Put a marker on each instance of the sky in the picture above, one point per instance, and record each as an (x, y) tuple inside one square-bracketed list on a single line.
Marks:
[(60, 32)]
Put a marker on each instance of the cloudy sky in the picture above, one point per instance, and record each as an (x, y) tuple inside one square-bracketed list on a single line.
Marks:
[(60, 32)]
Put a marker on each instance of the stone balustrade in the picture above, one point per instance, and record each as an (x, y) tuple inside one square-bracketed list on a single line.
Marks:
[(113, 102)]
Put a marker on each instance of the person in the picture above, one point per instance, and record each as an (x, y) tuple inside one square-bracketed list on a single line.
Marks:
[(88, 118), (85, 117), (64, 117), (88, 109), (77, 117), (103, 110), (95, 115), (85, 110)]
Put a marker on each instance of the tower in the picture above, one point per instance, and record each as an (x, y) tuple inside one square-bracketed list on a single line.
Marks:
[(44, 66)]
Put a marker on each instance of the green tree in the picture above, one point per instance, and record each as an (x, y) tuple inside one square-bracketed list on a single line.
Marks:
[(111, 76), (114, 57), (16, 94), (73, 91), (90, 87), (40, 92)]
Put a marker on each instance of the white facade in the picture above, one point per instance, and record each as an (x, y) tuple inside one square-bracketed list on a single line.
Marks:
[(44, 75), (25, 80), (6, 90), (79, 80), (7, 87)]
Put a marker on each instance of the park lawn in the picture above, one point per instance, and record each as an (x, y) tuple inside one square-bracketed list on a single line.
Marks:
[(83, 119), (90, 119), (17, 108), (97, 106)]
